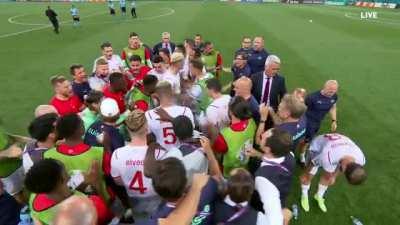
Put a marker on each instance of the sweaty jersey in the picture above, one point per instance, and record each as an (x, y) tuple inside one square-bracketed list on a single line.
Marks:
[(164, 131), (127, 163), (329, 149), (217, 112)]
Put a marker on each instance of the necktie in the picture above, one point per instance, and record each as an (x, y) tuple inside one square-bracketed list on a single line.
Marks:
[(266, 91)]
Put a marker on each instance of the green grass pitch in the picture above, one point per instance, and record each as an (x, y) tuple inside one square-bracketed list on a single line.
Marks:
[(363, 55)]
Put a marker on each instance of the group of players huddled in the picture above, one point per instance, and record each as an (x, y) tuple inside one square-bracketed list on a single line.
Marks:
[(150, 138)]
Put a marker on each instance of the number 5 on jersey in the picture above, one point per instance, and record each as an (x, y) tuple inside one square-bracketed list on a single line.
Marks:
[(137, 183), (169, 136)]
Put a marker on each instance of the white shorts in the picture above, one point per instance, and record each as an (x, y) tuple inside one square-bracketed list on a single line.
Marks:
[(14, 183)]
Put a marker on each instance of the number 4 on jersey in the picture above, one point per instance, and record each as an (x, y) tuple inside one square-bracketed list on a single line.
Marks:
[(138, 178)]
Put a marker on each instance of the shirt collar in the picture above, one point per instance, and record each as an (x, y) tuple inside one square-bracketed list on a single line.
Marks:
[(229, 201), (273, 160), (240, 126), (73, 150)]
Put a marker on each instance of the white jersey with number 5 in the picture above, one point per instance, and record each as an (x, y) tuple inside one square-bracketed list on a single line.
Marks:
[(163, 130), (329, 149), (127, 163)]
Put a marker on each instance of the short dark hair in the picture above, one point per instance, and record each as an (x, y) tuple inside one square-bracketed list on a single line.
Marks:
[(183, 127), (133, 34), (165, 51), (169, 189), (190, 42), (116, 77), (93, 97), (67, 126), (42, 126), (197, 35), (197, 52), (214, 84), (105, 45), (355, 173), (280, 142), (198, 64), (240, 108), (242, 54), (135, 58), (44, 176), (207, 43), (157, 59), (73, 67), (150, 80), (240, 186)]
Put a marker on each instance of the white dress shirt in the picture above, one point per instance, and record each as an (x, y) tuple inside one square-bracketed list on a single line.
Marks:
[(270, 197)]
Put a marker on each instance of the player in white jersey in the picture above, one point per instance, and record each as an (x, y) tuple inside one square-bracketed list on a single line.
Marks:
[(335, 153), (217, 112), (127, 165), (75, 15), (161, 128)]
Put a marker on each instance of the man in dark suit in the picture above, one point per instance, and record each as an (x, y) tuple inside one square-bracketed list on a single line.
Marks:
[(268, 86), (165, 43)]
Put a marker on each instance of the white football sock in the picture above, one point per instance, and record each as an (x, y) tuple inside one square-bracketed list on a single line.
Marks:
[(303, 157), (304, 189), (321, 190)]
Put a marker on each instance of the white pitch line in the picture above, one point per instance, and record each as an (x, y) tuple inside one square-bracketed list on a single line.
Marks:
[(44, 26), (12, 21)]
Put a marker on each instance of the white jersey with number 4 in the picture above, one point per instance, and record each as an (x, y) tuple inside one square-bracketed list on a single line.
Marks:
[(163, 130), (329, 149), (127, 163)]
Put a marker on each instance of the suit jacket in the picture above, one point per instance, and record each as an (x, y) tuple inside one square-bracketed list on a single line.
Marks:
[(159, 46), (278, 88)]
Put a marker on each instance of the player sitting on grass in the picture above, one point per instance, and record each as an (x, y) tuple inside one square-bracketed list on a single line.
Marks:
[(335, 153)]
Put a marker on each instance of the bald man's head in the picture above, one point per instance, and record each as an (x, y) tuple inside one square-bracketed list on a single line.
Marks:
[(330, 88), (76, 210), (242, 87)]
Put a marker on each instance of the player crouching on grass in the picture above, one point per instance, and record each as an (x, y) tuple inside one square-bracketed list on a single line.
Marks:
[(335, 153)]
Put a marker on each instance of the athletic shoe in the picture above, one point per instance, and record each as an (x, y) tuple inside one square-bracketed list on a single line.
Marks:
[(321, 203), (304, 203)]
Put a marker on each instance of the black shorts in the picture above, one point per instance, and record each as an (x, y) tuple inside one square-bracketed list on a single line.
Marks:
[(311, 130), (123, 9), (112, 11), (76, 18)]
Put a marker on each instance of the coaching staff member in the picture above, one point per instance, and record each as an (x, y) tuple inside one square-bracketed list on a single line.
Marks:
[(319, 104), (53, 18), (268, 86)]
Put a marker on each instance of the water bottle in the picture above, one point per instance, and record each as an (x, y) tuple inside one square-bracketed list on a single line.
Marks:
[(25, 218), (295, 211), (355, 220)]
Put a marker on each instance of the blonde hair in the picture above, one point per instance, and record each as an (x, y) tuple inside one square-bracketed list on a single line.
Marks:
[(135, 121), (294, 105)]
